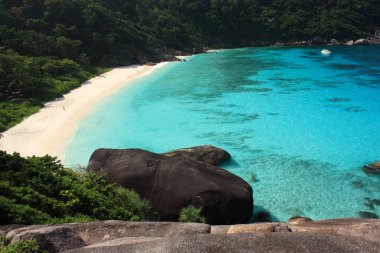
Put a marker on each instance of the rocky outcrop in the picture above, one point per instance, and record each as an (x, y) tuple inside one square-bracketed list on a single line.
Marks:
[(362, 42), (97, 232), (279, 43), (349, 43), (171, 183), (340, 235), (272, 242), (373, 168), (52, 239), (102, 231), (366, 229), (207, 154), (334, 42)]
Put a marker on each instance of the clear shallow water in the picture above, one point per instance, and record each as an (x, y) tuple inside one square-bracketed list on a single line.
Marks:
[(299, 125)]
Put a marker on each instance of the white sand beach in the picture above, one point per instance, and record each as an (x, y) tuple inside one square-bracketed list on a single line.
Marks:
[(51, 129)]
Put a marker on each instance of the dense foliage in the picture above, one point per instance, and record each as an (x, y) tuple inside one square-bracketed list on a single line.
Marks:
[(40, 190), (191, 214), (47, 47), (27, 246)]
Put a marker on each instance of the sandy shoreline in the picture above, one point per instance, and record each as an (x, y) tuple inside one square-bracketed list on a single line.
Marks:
[(51, 129)]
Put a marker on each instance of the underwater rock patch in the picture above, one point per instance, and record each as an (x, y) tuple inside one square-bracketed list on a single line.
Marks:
[(373, 168), (368, 215)]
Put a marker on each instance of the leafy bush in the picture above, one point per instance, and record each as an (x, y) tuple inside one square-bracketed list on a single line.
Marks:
[(39, 190), (27, 246), (12, 113), (191, 214)]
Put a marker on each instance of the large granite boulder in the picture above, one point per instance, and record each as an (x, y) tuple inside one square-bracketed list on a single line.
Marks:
[(239, 243), (334, 42), (171, 183), (349, 43), (207, 154)]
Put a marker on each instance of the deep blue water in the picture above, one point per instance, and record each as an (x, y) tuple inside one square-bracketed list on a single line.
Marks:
[(299, 125)]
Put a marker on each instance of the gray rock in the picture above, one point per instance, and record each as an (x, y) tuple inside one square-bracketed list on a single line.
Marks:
[(372, 168), (349, 43), (207, 154), (362, 42), (12, 233), (172, 183), (366, 229), (334, 42), (125, 241), (220, 229), (242, 243), (96, 232), (6, 228), (52, 239), (268, 227)]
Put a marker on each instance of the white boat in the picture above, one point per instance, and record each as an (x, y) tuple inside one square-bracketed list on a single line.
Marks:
[(325, 52)]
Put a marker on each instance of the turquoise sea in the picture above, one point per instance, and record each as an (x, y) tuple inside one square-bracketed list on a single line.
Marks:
[(298, 124)]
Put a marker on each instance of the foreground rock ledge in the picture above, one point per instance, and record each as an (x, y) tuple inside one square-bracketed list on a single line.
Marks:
[(178, 179), (339, 235)]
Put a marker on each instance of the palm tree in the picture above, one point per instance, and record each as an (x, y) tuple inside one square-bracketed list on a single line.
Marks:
[(19, 79)]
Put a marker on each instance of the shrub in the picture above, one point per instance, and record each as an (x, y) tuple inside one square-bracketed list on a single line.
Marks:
[(27, 246), (39, 190), (191, 214)]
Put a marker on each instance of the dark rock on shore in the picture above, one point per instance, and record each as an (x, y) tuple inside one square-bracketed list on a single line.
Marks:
[(373, 168), (207, 154), (172, 183)]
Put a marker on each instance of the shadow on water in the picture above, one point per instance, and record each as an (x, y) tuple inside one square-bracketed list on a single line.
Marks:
[(261, 214), (232, 163)]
